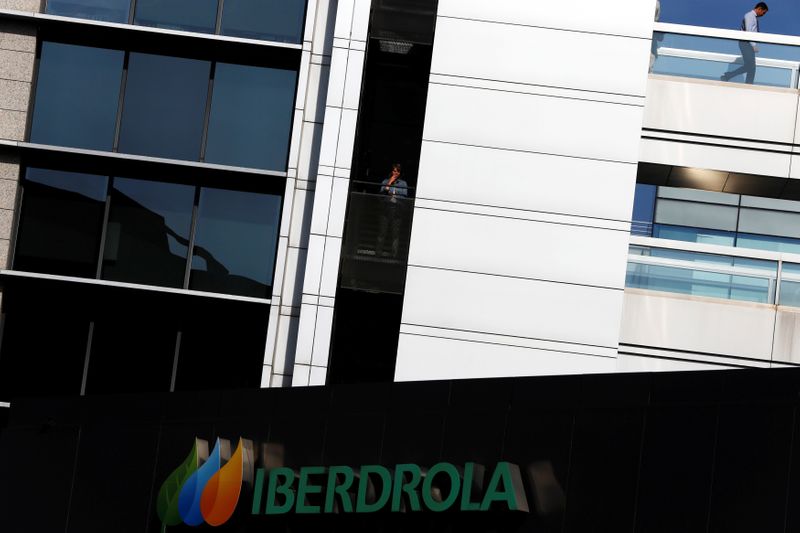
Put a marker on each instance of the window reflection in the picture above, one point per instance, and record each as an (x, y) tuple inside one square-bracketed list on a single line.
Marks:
[(274, 20), (251, 116), (148, 230), (165, 101), (109, 10), (226, 221), (188, 15), (60, 223), (77, 94)]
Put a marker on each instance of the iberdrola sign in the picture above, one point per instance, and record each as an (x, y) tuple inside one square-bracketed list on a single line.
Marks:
[(204, 490)]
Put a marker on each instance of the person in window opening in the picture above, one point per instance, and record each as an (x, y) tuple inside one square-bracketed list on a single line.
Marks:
[(749, 49), (394, 188)]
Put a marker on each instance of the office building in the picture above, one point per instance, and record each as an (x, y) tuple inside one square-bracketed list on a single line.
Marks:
[(198, 195)]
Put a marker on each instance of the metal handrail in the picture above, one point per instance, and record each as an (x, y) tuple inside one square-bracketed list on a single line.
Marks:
[(792, 66), (775, 277)]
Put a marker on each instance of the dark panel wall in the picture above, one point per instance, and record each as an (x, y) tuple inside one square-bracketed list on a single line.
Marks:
[(705, 452)]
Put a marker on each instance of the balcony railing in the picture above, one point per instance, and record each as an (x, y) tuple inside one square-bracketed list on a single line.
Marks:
[(726, 55), (375, 248), (714, 271)]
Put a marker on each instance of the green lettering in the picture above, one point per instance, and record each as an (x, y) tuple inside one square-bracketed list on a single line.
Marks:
[(334, 488), (284, 488), (512, 493), (466, 489), (258, 489), (438, 505), (377, 502), (400, 486), (305, 487)]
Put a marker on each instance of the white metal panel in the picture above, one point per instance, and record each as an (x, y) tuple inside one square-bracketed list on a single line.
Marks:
[(347, 137), (795, 173), (427, 358), (355, 71), (520, 248), (624, 17), (558, 126), (301, 218), (322, 204), (310, 142), (696, 324), (338, 207), (588, 61), (510, 306), (336, 77), (787, 336), (330, 136), (529, 181), (316, 249), (330, 266), (634, 363), (322, 336), (344, 18), (361, 11), (684, 154), (722, 109)]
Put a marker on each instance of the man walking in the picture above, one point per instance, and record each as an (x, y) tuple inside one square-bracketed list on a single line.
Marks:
[(749, 49)]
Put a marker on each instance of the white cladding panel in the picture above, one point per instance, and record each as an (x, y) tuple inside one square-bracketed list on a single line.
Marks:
[(696, 324), (427, 358), (493, 51), (681, 154), (512, 307), (533, 123), (519, 248), (524, 180), (633, 363), (623, 17), (721, 109), (795, 173)]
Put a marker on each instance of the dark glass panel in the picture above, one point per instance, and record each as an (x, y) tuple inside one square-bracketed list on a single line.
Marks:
[(110, 10), (77, 94), (60, 223), (132, 351), (644, 204), (214, 326), (165, 100), (273, 20), (189, 15), (147, 238), (251, 116), (237, 235), (43, 345)]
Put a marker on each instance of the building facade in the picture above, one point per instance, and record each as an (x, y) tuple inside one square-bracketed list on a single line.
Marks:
[(184, 182)]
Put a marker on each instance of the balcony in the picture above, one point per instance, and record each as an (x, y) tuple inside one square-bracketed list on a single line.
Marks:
[(713, 106), (375, 248), (719, 304)]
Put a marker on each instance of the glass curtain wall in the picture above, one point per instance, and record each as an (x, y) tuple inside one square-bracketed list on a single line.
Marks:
[(148, 232), (271, 20), (163, 106)]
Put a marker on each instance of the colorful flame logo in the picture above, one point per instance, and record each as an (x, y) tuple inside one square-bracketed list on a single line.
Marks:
[(201, 489)]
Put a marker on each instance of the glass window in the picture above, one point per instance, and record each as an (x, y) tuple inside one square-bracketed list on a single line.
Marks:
[(251, 116), (60, 223), (677, 212), (643, 206), (767, 242), (110, 10), (273, 20), (235, 243), (699, 235), (189, 15), (165, 100), (77, 94), (123, 359), (764, 222), (147, 237)]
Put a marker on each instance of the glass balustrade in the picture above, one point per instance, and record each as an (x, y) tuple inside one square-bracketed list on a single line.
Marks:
[(729, 60), (701, 274)]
